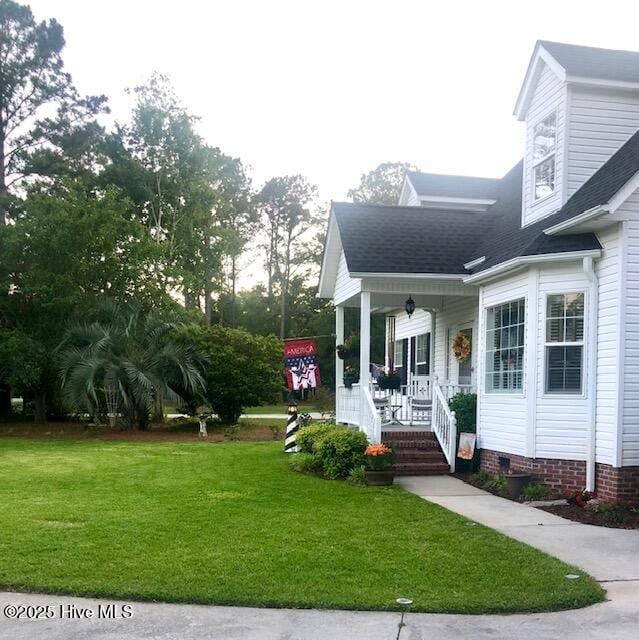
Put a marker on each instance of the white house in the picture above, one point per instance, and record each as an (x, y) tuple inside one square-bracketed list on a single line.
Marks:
[(539, 270)]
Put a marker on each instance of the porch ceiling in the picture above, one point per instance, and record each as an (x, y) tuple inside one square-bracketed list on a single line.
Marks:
[(385, 302)]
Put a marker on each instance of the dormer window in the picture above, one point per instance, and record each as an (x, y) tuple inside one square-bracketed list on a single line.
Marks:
[(543, 169)]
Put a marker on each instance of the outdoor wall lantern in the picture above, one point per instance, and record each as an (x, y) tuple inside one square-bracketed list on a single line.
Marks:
[(410, 306)]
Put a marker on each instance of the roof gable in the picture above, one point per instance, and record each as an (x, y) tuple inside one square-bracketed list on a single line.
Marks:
[(578, 64)]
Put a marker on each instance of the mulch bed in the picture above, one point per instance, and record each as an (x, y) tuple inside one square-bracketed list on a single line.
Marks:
[(169, 432), (617, 517)]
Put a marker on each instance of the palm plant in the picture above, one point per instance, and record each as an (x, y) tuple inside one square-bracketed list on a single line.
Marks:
[(123, 362)]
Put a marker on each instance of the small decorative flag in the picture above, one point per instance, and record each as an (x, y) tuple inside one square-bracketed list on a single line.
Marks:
[(300, 362)]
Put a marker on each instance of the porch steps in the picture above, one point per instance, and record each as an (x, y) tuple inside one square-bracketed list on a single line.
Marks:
[(417, 453)]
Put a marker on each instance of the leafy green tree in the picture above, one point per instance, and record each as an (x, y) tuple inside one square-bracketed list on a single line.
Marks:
[(242, 370), (286, 205), (38, 103), (383, 184), (122, 362), (67, 250)]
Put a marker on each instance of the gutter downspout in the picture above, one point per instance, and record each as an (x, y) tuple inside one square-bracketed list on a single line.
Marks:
[(593, 313)]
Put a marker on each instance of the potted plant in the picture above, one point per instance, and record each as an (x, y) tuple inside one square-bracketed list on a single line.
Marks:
[(351, 376), (342, 351), (390, 381), (379, 464), (515, 482)]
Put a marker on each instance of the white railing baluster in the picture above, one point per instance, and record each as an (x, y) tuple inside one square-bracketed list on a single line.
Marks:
[(444, 425)]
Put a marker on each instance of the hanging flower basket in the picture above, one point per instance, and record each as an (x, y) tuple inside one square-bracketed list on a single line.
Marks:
[(389, 381), (342, 351), (351, 377), (461, 347)]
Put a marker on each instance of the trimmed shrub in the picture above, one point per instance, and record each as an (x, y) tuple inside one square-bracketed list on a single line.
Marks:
[(465, 407), (303, 462), (358, 476), (242, 370), (308, 436), (340, 451)]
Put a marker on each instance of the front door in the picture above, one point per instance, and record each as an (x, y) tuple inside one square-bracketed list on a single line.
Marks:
[(465, 374)]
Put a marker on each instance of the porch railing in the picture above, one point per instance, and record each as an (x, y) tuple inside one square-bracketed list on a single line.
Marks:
[(444, 425), (370, 420), (347, 405)]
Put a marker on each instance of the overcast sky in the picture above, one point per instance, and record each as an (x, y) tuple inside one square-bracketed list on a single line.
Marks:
[(331, 89)]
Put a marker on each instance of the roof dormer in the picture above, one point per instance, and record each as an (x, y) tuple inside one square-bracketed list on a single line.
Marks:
[(580, 105), (438, 191)]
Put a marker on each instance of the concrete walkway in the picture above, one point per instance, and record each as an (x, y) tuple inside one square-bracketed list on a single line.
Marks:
[(617, 619), (606, 554)]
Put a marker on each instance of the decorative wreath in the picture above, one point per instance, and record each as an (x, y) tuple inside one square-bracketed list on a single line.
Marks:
[(461, 347)]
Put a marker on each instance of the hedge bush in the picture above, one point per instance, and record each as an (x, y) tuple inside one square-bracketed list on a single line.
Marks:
[(465, 407), (340, 451), (308, 436)]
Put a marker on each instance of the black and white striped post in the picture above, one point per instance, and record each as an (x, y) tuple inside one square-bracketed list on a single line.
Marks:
[(292, 427)]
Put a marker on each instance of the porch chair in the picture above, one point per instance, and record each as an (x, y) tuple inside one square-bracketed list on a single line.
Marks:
[(420, 410)]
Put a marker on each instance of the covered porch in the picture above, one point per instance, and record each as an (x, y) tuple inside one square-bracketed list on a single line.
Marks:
[(421, 402)]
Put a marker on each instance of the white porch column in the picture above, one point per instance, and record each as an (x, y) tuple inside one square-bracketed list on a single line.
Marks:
[(339, 339), (365, 338), (433, 343)]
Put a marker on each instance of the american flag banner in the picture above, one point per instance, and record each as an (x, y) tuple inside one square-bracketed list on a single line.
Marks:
[(300, 362)]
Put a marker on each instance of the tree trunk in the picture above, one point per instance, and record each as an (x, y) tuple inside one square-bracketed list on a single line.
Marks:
[(158, 408), (40, 407), (233, 293), (4, 192), (5, 398), (208, 303), (283, 310)]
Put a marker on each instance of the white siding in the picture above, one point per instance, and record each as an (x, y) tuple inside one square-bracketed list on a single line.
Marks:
[(630, 435), (454, 315), (406, 327), (550, 94), (608, 275), (562, 420), (599, 122), (502, 416), (345, 286)]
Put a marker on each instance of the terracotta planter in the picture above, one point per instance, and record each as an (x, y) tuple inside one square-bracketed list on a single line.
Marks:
[(384, 477), (515, 482)]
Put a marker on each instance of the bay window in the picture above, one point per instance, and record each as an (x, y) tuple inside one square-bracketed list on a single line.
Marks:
[(505, 334), (564, 343)]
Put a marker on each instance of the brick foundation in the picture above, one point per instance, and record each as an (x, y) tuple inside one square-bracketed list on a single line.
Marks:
[(613, 484)]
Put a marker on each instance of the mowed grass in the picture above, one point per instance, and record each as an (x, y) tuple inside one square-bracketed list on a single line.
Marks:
[(230, 524)]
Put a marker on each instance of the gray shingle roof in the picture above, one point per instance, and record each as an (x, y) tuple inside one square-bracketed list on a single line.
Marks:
[(592, 62), (435, 184), (392, 239)]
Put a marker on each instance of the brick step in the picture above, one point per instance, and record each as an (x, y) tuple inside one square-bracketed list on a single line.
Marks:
[(421, 468), (396, 436), (419, 455), (398, 445)]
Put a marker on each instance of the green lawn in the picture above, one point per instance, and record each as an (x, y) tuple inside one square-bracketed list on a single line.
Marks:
[(230, 524), (279, 408)]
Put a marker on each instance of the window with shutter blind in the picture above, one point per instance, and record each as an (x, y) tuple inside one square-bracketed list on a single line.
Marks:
[(564, 343)]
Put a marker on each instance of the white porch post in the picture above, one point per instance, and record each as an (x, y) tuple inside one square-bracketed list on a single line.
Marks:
[(365, 338), (339, 339)]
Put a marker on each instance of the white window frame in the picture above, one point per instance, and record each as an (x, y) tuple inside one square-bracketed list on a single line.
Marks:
[(582, 343), (536, 163), (397, 362), (426, 353), (511, 393)]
